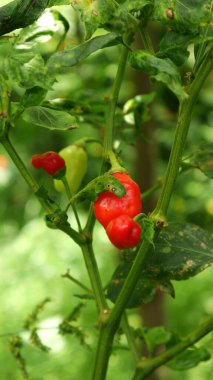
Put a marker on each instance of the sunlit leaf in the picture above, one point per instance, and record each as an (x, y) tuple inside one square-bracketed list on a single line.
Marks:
[(48, 118)]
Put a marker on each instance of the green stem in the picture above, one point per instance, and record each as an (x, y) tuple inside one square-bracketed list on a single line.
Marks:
[(146, 367), (69, 196), (94, 276), (114, 99), (111, 324), (108, 138), (130, 337), (185, 113), (77, 282), (147, 194), (30, 180), (146, 39), (24, 171)]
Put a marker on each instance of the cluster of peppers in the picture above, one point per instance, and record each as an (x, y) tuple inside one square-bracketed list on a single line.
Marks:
[(114, 213)]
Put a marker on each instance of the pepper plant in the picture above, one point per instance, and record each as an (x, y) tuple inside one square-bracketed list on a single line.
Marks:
[(155, 250)]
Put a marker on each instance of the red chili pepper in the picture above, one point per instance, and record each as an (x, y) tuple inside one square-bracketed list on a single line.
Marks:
[(123, 232), (51, 162), (108, 205)]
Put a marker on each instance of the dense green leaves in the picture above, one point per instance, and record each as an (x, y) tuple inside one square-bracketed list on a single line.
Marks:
[(161, 70), (103, 13), (26, 69), (20, 13), (63, 60), (184, 16), (48, 118), (181, 251)]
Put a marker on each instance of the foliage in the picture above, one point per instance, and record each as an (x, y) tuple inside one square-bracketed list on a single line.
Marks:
[(61, 74)]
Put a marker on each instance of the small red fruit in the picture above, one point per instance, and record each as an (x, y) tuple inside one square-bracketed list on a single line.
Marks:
[(51, 162), (108, 205), (37, 161), (123, 232)]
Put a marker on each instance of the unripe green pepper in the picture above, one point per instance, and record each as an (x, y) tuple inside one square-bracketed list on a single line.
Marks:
[(75, 158)]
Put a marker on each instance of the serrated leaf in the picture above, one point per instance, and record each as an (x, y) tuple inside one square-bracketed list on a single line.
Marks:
[(161, 70), (203, 160), (63, 60), (184, 17), (189, 358), (48, 118)]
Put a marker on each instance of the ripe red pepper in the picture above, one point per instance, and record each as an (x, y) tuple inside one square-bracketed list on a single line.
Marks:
[(123, 232), (108, 205), (51, 162)]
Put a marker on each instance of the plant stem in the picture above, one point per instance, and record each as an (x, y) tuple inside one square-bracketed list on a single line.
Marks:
[(114, 99), (24, 171), (77, 282), (146, 367), (30, 180), (130, 337), (146, 39), (108, 138), (69, 196), (186, 108), (94, 276), (111, 324), (147, 194)]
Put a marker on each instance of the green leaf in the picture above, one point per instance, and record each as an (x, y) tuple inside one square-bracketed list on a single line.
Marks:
[(174, 46), (33, 96), (63, 60), (136, 5), (48, 118), (161, 70), (203, 160), (189, 358), (58, 2), (180, 252), (146, 287), (105, 14), (155, 337), (184, 17), (27, 70), (20, 13), (45, 35), (105, 182)]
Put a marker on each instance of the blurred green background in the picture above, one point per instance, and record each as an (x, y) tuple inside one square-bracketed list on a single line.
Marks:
[(33, 258)]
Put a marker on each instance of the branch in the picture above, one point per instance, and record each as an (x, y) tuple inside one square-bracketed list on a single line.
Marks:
[(146, 367)]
